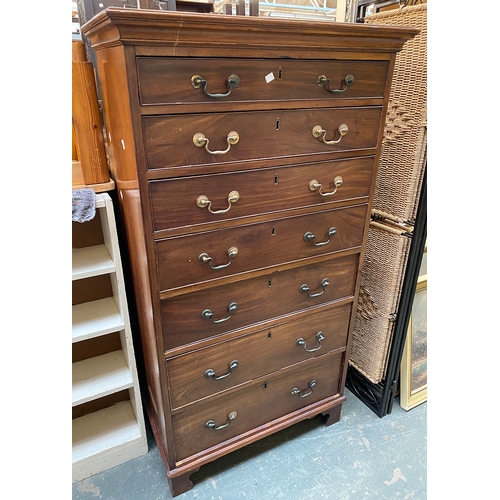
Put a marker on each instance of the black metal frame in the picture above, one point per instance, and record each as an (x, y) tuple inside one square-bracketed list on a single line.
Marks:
[(380, 397), (362, 5)]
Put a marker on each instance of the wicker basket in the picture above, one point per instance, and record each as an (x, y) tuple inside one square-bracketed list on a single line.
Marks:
[(397, 190)]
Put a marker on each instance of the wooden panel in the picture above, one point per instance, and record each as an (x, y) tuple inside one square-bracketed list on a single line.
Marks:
[(93, 319), (100, 404), (168, 80), (119, 132), (100, 376), (121, 439), (173, 201), (258, 246), (94, 288), (258, 354), (78, 180), (259, 402), (262, 134), (96, 346), (87, 124), (88, 234), (258, 299), (253, 36)]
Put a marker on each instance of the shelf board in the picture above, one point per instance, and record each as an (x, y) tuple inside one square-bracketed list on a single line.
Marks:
[(99, 436), (100, 376), (91, 261), (78, 181), (100, 202), (95, 318)]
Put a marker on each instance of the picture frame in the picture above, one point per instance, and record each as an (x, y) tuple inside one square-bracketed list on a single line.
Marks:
[(413, 372)]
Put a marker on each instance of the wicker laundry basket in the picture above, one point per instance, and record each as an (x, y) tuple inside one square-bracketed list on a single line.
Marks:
[(399, 179)]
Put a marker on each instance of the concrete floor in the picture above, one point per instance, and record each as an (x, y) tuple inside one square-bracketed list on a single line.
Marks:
[(359, 457)]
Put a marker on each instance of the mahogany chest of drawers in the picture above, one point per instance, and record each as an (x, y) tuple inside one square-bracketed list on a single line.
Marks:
[(244, 151)]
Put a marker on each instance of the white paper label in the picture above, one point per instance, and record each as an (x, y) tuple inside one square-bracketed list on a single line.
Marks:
[(269, 77)]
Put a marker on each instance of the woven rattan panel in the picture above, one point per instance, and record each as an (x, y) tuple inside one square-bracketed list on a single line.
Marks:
[(397, 189), (404, 146), (379, 295)]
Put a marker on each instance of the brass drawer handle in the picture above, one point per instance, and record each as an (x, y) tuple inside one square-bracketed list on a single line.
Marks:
[(202, 201), (211, 374), (199, 140), (208, 314), (319, 337), (318, 131), (324, 82), (314, 185), (296, 390), (203, 258), (310, 237), (232, 82), (210, 424), (305, 289)]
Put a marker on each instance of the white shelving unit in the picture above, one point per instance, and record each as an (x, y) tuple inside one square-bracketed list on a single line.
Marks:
[(108, 418)]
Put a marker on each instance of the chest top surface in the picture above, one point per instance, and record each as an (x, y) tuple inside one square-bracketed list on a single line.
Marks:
[(240, 35)]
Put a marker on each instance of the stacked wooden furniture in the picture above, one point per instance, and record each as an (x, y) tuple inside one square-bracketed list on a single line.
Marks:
[(89, 162), (108, 418), (244, 152)]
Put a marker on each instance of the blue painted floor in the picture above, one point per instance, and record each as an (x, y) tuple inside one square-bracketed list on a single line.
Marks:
[(360, 457)]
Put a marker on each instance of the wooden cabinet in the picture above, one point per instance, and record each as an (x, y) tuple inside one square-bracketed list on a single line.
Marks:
[(244, 151), (108, 418)]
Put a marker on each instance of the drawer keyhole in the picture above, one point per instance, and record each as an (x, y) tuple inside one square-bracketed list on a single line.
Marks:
[(273, 231), (280, 74), (277, 123), (268, 335), (276, 180), (270, 283)]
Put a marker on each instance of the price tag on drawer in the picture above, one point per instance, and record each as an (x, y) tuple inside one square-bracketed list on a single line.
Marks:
[(269, 77)]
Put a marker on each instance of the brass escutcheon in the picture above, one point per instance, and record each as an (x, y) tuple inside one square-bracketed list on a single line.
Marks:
[(196, 81)]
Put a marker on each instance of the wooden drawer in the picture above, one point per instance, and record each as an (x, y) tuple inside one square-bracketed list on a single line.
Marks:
[(262, 135), (256, 354), (165, 80), (191, 259), (186, 318), (256, 403), (174, 201)]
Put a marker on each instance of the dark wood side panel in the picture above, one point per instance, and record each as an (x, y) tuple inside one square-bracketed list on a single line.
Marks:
[(112, 70)]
